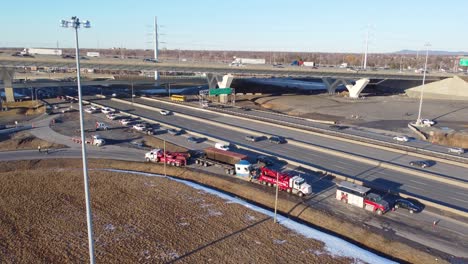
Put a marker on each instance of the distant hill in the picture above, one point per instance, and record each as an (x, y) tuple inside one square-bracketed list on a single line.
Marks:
[(433, 52)]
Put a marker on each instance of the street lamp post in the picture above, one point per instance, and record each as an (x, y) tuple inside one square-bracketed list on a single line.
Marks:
[(276, 198), (418, 121), (75, 23)]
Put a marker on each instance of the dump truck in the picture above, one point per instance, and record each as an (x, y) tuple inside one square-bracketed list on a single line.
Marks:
[(172, 158), (220, 158), (291, 184)]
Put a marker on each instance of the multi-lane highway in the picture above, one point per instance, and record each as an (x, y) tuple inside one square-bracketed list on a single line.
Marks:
[(138, 65), (446, 194)]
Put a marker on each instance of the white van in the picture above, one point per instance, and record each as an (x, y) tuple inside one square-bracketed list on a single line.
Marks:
[(222, 146)]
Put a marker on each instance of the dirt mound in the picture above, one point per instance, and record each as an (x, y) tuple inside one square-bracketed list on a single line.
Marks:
[(24, 140), (449, 139)]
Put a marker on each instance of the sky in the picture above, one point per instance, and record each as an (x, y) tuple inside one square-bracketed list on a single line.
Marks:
[(293, 25)]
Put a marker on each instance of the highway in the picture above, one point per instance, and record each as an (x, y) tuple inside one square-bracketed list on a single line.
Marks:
[(138, 65), (443, 169), (449, 195)]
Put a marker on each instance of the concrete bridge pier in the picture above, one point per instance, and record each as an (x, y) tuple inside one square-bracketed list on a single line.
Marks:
[(356, 88), (331, 85), (220, 81), (7, 75)]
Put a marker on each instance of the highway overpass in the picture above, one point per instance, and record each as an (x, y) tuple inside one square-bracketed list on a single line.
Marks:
[(355, 81)]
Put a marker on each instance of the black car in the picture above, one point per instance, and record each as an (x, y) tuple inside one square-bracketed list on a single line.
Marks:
[(420, 163), (407, 204), (193, 140), (173, 131), (267, 161), (277, 140)]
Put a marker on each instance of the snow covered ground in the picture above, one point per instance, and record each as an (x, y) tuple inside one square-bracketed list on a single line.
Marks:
[(334, 245)]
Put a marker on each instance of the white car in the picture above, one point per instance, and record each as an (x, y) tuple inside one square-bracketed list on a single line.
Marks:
[(125, 121), (112, 116), (401, 138), (164, 112), (458, 151), (107, 110), (92, 110), (222, 146), (427, 122), (139, 127)]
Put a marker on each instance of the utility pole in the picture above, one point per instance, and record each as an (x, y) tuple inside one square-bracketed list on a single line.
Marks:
[(165, 158), (156, 46), (367, 47)]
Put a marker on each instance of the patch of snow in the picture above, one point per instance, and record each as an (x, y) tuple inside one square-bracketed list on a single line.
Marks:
[(250, 217), (212, 212), (334, 245), (110, 227), (205, 205), (184, 224), (278, 241)]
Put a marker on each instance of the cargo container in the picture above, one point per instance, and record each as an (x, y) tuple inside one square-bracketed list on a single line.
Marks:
[(56, 52), (92, 54), (220, 158)]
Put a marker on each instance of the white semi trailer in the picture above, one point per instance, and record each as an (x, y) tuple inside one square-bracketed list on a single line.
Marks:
[(32, 51)]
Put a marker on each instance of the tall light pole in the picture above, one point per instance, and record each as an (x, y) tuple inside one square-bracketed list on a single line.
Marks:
[(276, 198), (418, 122), (367, 48), (75, 23)]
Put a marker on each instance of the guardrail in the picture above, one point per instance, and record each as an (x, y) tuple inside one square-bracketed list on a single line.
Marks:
[(292, 162)]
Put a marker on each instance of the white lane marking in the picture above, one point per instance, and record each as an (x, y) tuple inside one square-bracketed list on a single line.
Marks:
[(417, 188), (463, 194), (417, 182), (464, 201)]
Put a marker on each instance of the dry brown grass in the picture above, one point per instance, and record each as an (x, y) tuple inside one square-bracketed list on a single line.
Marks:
[(136, 220), (449, 139), (260, 194), (24, 140)]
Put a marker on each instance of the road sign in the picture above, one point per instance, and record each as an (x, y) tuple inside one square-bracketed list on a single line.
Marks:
[(464, 62), (220, 91)]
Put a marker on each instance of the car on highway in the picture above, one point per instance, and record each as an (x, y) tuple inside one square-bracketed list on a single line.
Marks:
[(139, 127), (337, 127), (401, 138), (222, 146), (112, 116), (92, 110), (107, 110), (150, 60), (125, 121), (193, 140), (455, 150), (164, 112), (427, 122), (266, 160), (173, 131), (277, 140), (420, 163), (252, 138), (411, 206)]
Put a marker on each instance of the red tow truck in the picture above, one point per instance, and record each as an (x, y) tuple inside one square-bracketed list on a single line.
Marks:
[(173, 158), (291, 184)]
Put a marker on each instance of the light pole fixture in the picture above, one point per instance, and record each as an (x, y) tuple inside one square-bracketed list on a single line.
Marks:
[(276, 198), (418, 121), (75, 23)]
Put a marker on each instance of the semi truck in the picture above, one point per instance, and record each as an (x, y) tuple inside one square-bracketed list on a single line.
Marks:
[(291, 184), (361, 196), (220, 158), (173, 158), (92, 54), (241, 61), (32, 51), (94, 140), (237, 164)]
